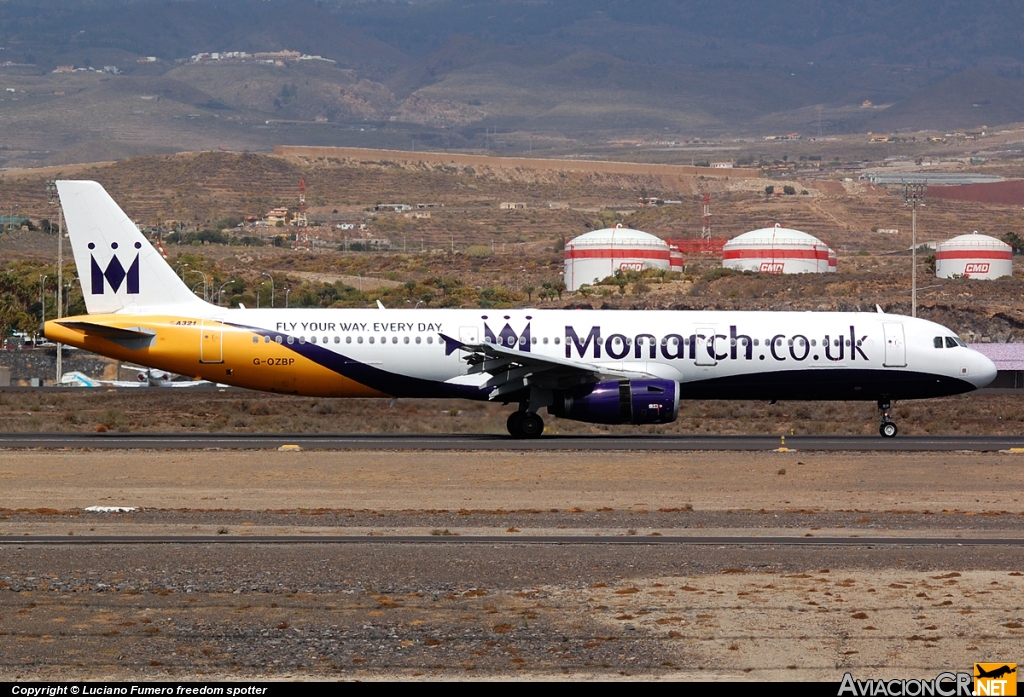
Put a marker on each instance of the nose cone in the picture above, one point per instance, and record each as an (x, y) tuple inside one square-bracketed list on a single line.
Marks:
[(982, 370)]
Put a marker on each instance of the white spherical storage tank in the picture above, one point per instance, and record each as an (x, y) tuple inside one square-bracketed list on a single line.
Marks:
[(599, 254), (777, 250), (973, 256)]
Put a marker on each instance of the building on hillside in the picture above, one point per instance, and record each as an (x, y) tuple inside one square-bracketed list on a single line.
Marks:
[(276, 216)]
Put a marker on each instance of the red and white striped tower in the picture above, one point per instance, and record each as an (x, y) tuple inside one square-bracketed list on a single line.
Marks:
[(705, 222), (302, 227)]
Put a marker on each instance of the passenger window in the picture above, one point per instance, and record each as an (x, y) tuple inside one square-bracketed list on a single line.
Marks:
[(545, 340), (558, 339), (348, 340), (360, 340), (405, 340), (371, 339), (278, 339), (533, 340), (266, 339), (337, 339), (937, 342), (312, 339), (950, 342), (419, 339), (291, 340), (302, 340), (394, 340), (430, 339), (255, 340), (325, 339)]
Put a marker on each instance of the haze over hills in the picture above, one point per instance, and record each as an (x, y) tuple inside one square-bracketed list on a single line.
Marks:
[(446, 74)]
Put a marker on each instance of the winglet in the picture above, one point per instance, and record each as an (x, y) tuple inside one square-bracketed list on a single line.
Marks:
[(880, 310), (450, 345), (380, 305)]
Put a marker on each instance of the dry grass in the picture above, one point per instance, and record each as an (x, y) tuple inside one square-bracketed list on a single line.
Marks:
[(140, 411)]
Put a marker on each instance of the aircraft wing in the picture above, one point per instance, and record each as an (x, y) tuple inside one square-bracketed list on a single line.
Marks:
[(512, 370)]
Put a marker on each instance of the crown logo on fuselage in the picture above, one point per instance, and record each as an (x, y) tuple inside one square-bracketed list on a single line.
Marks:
[(508, 336), (115, 273)]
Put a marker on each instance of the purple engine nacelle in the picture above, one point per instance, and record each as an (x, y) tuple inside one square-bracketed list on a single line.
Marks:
[(622, 402)]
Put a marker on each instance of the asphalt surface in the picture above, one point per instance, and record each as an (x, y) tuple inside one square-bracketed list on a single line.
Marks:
[(245, 441), (506, 540)]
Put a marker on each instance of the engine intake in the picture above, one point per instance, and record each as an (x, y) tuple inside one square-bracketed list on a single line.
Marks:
[(622, 402)]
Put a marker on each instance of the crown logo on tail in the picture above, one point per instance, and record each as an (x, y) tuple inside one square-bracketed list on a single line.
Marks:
[(115, 273)]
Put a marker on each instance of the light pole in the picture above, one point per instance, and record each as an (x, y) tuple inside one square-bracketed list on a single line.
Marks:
[(287, 291), (51, 189), (913, 196), (258, 291), (67, 295), (182, 267), (271, 286), (42, 296), (204, 281), (220, 293)]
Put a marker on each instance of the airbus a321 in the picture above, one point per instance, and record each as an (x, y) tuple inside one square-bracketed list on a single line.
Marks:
[(607, 367)]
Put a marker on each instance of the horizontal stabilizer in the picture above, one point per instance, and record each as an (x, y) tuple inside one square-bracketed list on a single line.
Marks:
[(132, 338)]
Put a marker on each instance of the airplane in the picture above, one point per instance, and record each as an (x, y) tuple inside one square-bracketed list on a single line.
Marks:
[(598, 366), (146, 377), (994, 673)]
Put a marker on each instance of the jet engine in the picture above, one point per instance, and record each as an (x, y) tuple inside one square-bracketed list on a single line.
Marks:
[(621, 402)]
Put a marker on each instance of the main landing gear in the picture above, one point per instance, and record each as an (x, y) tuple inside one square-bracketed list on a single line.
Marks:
[(525, 424), (887, 429)]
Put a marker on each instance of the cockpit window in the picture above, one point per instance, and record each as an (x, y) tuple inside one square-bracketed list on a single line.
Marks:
[(951, 342), (937, 341)]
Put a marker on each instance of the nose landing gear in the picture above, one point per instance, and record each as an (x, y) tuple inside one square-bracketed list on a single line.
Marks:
[(887, 429), (525, 424)]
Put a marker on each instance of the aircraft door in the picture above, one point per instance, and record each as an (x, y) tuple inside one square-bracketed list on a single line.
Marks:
[(704, 351), (211, 341), (895, 346)]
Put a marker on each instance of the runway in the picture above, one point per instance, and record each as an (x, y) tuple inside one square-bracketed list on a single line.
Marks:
[(463, 442), (507, 540)]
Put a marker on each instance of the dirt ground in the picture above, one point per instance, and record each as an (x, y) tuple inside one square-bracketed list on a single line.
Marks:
[(980, 483), (516, 611)]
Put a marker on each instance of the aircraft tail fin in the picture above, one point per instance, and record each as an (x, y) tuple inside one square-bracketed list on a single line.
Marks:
[(76, 378), (117, 266)]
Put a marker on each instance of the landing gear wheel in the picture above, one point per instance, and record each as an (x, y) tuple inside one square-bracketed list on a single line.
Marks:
[(888, 430), (531, 426), (515, 424)]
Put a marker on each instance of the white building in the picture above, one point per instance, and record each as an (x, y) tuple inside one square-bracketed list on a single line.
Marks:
[(599, 254), (973, 256), (778, 250)]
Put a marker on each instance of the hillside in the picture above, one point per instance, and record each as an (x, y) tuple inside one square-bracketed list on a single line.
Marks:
[(507, 76), (490, 255)]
